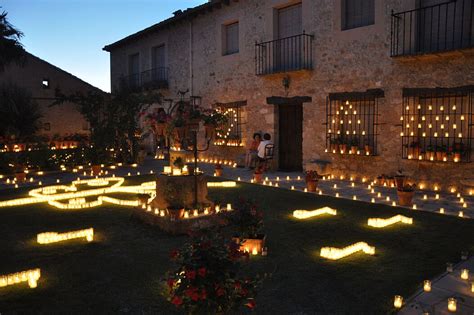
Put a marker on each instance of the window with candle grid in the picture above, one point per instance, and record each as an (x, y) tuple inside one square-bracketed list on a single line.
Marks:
[(437, 124), (352, 121), (230, 134)]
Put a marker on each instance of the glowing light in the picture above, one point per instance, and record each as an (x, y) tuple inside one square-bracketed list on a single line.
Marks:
[(441, 210), (222, 184), (452, 304), (380, 223), (465, 274), (427, 286), (305, 214), (334, 253), (398, 301), (54, 237), (31, 276)]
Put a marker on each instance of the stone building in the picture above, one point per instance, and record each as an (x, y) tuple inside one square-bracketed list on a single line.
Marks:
[(370, 86), (41, 79)]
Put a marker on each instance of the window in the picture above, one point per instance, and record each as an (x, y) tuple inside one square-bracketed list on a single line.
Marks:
[(134, 70), (231, 34), (290, 21), (158, 57), (437, 124), (357, 13), (231, 133), (45, 83), (351, 122)]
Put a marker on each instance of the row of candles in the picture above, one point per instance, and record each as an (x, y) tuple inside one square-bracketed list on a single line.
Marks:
[(427, 287), (190, 213)]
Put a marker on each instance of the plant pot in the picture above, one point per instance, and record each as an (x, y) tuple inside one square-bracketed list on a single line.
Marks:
[(342, 148), (414, 152), (430, 155), (180, 132), (312, 184), (210, 131), (354, 149), (405, 197), (457, 157), (160, 129), (176, 214), (20, 176), (253, 246), (96, 170), (257, 177), (400, 181), (367, 149), (191, 169), (218, 172)]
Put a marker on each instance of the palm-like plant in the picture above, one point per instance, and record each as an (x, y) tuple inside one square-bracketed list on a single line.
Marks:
[(19, 113), (11, 50)]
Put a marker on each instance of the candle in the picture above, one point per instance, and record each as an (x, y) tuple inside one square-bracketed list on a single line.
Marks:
[(465, 274), (218, 208), (306, 190), (229, 207), (441, 210), (398, 301), (452, 304), (167, 169), (427, 286), (176, 172), (472, 286)]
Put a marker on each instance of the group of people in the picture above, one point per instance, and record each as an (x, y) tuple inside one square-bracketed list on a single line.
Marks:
[(256, 150)]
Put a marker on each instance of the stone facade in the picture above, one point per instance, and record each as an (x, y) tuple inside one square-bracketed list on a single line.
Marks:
[(62, 120), (343, 61)]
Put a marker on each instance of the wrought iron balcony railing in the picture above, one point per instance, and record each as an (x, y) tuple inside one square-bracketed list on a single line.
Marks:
[(151, 79), (433, 29), (286, 54)]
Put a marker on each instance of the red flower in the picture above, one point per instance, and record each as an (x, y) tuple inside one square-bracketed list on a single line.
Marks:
[(202, 272), (191, 274), (192, 293), (251, 304), (203, 294), (237, 285), (174, 254), (170, 282), (176, 300), (220, 291)]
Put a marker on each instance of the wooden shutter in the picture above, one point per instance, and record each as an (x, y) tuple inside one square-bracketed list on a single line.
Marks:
[(232, 38), (290, 21), (158, 55), (358, 13)]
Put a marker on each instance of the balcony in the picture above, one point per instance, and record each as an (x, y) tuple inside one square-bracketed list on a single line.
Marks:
[(433, 29), (156, 78), (283, 55)]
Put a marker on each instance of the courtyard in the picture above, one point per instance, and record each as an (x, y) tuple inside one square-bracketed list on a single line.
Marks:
[(122, 270)]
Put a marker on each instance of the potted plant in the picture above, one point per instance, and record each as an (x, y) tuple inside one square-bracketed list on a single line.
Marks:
[(441, 153), (458, 150), (367, 148), (414, 150), (175, 200), (312, 180), (249, 221), (218, 170), (430, 152), (207, 278), (343, 147), (257, 175), (405, 195), (354, 145), (400, 179)]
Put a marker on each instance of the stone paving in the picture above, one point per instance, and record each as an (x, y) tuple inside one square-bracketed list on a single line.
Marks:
[(448, 203), (448, 285)]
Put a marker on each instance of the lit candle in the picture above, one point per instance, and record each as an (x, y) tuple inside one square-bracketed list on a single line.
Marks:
[(218, 208), (427, 286), (452, 304), (229, 207), (166, 170), (398, 301), (441, 210), (465, 274)]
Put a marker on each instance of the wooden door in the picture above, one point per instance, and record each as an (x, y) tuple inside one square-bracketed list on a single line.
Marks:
[(290, 144)]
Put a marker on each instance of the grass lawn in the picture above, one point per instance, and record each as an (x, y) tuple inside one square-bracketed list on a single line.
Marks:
[(121, 269)]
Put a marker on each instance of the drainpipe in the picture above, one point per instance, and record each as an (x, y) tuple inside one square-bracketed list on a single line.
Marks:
[(191, 55)]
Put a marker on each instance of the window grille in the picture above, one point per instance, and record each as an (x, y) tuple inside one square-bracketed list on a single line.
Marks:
[(230, 134), (352, 121), (437, 124)]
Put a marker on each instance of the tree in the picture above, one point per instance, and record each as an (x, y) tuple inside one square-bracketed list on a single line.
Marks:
[(19, 113), (11, 50)]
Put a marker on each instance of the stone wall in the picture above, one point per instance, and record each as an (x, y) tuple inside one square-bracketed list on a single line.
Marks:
[(63, 119), (344, 61)]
